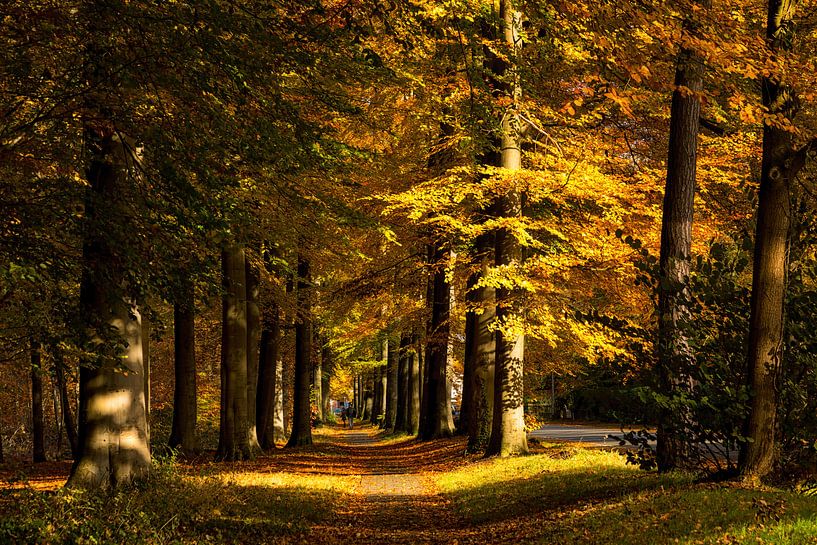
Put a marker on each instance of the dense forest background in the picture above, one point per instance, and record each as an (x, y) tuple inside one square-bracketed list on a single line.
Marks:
[(591, 209)]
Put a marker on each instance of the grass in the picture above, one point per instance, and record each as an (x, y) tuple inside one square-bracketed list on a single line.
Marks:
[(238, 506), (577, 496)]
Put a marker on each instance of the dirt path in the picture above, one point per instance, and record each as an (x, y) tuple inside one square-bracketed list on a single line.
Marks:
[(394, 502)]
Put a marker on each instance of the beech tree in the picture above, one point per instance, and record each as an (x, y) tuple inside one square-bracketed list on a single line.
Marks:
[(674, 353), (183, 430), (301, 434)]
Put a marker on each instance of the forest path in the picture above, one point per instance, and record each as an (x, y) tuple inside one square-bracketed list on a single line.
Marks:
[(396, 500)]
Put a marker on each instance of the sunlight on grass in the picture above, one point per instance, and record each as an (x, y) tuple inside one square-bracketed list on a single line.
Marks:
[(576, 496)]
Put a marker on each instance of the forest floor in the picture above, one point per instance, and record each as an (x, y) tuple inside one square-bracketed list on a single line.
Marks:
[(360, 486)]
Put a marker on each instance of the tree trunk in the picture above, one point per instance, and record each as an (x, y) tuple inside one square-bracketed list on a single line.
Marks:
[(414, 365), (436, 422), (233, 437), (779, 166), (401, 411), (391, 386), (113, 441), (508, 436), (65, 402), (674, 354), (483, 351), (185, 411), (302, 412), (269, 412), (368, 396), (317, 377), (253, 332), (37, 422), (146, 366), (327, 365)]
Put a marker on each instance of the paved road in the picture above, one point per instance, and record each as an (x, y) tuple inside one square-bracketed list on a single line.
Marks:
[(589, 434)]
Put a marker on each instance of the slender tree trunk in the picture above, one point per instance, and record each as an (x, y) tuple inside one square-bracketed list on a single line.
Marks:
[(780, 164), (301, 412), (233, 437), (269, 411), (368, 396), (113, 439), (674, 353), (327, 365), (185, 411), (317, 376), (253, 333), (377, 402), (38, 424), (146, 366), (65, 402), (391, 386), (414, 365), (436, 422), (508, 436), (401, 412)]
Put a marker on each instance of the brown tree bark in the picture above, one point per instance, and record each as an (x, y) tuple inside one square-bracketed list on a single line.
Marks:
[(233, 437), (327, 367), (391, 386), (674, 353), (37, 421), (112, 440), (185, 411), (436, 404), (414, 365), (301, 434), (270, 413), (65, 403), (780, 164), (401, 411), (253, 334), (317, 376), (508, 436), (482, 344)]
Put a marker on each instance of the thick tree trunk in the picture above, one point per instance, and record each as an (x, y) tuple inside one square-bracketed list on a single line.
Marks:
[(269, 412), (377, 405), (37, 421), (401, 412), (301, 411), (436, 421), (185, 411), (113, 442), (674, 353), (508, 436), (483, 350), (779, 166), (391, 386), (253, 333), (233, 437)]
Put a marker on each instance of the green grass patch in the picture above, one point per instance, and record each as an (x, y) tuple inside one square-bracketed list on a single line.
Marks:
[(578, 496), (170, 508)]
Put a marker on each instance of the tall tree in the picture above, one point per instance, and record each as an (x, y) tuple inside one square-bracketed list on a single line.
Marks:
[(674, 353), (253, 334), (401, 412), (508, 434), (183, 429), (392, 375), (301, 411), (415, 382), (233, 443), (270, 411), (317, 376), (780, 165), (113, 441), (434, 420)]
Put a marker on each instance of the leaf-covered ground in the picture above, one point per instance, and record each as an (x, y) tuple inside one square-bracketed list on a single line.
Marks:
[(357, 487)]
